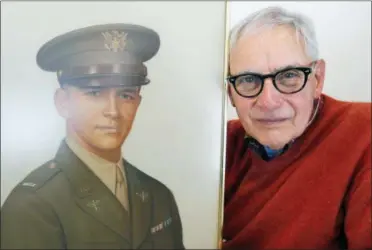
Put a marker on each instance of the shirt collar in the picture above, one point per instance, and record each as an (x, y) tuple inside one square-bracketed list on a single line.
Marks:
[(103, 169), (264, 151)]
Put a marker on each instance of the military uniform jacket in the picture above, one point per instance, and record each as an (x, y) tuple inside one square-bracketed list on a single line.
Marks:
[(63, 205)]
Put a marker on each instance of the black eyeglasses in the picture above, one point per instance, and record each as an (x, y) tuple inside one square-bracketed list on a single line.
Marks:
[(286, 81)]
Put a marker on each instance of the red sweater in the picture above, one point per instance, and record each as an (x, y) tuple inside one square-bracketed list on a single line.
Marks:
[(317, 195)]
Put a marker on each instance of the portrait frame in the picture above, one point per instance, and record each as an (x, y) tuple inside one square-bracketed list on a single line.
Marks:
[(46, 123)]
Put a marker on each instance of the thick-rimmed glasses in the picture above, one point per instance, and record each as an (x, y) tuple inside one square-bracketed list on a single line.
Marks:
[(286, 81)]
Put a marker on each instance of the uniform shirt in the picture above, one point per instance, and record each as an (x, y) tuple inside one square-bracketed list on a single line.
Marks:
[(103, 169)]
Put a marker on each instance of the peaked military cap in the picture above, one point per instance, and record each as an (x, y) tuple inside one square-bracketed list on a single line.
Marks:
[(117, 51)]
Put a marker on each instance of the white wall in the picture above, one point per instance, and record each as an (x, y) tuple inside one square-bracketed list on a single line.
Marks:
[(176, 136), (344, 34)]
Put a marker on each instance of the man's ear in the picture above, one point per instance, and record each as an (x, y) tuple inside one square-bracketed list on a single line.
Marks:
[(230, 95), (139, 95), (61, 98), (139, 99), (319, 77)]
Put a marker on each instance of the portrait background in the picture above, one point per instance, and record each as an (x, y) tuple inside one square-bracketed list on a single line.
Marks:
[(176, 136), (343, 30)]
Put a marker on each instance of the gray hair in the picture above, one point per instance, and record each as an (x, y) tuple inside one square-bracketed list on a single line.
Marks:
[(273, 16)]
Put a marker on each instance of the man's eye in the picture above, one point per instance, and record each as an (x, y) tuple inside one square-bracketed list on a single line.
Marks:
[(126, 96), (249, 79), (291, 74)]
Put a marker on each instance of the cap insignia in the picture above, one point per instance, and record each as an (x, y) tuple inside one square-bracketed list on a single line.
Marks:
[(115, 41)]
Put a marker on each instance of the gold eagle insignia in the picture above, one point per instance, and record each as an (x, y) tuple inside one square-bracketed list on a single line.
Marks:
[(115, 41)]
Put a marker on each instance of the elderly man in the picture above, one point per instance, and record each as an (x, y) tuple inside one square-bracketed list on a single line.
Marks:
[(298, 167), (88, 196)]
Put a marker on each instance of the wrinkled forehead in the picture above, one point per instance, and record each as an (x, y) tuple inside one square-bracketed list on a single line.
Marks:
[(267, 50)]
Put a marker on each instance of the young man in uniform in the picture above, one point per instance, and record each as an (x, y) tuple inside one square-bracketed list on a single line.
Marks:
[(298, 167), (88, 196)]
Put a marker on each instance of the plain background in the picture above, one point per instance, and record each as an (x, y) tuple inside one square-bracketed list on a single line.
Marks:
[(176, 137), (343, 30)]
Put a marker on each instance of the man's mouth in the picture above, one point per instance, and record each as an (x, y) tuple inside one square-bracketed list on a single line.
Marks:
[(271, 121), (108, 129)]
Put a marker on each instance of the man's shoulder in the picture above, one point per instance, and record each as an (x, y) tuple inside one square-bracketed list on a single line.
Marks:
[(354, 109), (26, 192), (234, 128), (357, 116), (143, 178), (349, 120), (234, 133), (39, 177), (360, 120), (361, 111), (233, 124)]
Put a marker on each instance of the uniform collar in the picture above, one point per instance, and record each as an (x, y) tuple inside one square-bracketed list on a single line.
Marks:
[(103, 169)]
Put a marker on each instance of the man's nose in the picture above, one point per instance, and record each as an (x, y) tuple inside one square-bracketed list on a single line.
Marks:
[(111, 108), (269, 98)]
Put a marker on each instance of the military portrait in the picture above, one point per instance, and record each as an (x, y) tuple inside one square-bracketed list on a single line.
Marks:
[(100, 71), (111, 154)]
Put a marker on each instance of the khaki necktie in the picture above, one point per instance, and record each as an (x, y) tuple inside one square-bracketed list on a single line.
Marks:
[(120, 188)]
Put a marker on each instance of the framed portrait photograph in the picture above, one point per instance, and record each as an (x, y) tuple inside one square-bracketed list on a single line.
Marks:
[(112, 124)]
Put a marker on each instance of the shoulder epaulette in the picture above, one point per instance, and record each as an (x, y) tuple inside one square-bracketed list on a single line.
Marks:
[(40, 176)]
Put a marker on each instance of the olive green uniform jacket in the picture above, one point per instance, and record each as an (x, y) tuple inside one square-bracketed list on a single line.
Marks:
[(63, 205)]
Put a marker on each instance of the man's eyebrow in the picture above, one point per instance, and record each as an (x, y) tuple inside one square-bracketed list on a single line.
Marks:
[(128, 89), (285, 67), (272, 72)]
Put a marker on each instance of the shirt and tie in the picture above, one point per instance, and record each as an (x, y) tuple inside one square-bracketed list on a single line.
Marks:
[(111, 174)]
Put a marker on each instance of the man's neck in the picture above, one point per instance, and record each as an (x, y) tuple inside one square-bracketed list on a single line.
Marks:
[(113, 156)]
